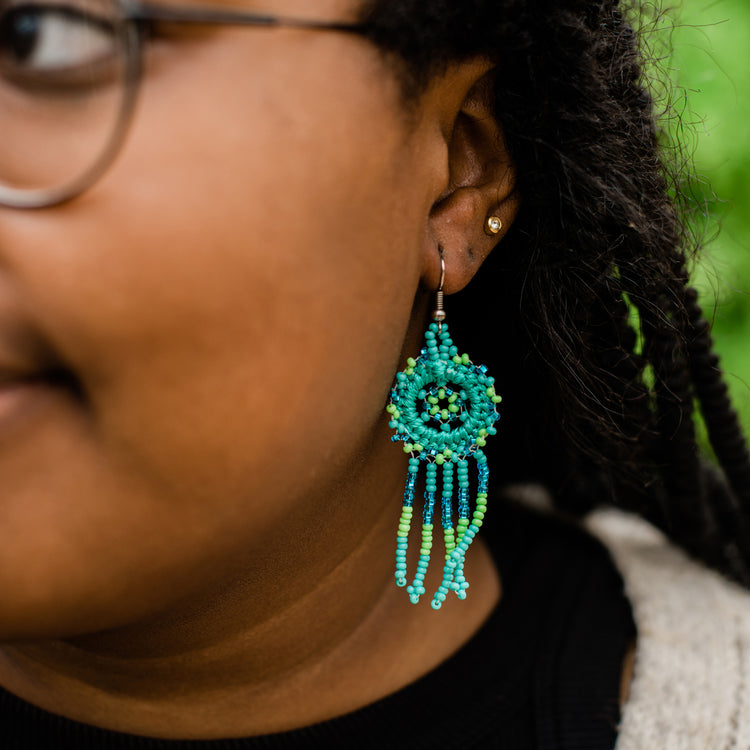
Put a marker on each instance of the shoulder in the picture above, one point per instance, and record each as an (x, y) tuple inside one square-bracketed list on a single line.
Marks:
[(691, 686)]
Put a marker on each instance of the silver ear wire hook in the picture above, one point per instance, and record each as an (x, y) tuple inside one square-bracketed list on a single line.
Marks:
[(439, 314)]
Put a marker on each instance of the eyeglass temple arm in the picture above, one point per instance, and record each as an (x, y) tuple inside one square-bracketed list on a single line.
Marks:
[(139, 11)]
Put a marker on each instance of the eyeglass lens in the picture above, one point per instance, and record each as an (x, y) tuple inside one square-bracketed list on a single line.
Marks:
[(65, 72)]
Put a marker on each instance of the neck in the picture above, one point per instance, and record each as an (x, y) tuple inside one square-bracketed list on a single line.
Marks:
[(240, 661)]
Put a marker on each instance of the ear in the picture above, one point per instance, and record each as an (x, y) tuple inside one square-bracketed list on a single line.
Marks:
[(481, 178)]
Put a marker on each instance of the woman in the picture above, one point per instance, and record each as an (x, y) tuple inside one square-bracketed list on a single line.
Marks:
[(200, 327)]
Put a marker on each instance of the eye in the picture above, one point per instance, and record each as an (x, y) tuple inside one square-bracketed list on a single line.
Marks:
[(55, 44)]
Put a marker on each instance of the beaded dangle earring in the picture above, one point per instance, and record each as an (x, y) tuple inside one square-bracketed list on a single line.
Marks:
[(442, 407)]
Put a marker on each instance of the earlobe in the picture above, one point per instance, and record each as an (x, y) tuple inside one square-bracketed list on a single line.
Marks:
[(478, 205)]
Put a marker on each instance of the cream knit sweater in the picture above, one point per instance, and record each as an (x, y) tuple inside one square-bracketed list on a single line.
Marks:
[(691, 684)]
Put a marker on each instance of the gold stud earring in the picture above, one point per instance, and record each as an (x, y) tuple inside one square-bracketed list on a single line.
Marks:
[(493, 225)]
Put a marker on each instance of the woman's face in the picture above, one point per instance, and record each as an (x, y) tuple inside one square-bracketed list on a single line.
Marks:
[(233, 297)]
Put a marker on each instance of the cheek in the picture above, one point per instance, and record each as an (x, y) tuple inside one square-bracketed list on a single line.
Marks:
[(265, 303), (235, 319)]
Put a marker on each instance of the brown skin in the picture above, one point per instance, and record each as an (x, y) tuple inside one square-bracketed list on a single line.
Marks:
[(202, 546)]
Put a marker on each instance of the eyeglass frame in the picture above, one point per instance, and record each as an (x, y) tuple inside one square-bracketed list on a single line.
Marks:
[(134, 15)]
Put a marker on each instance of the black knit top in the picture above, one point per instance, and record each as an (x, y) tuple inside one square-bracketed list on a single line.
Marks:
[(543, 672)]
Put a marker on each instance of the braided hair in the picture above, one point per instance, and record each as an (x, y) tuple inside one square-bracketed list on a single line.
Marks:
[(587, 317)]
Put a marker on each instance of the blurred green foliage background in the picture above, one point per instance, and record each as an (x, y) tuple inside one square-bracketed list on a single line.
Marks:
[(708, 56)]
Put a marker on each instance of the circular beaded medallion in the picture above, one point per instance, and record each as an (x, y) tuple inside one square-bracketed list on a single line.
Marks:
[(443, 404)]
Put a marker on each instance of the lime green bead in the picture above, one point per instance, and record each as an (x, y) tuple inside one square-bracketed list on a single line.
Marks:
[(453, 397), (441, 393), (408, 447), (465, 359), (439, 459), (411, 362), (457, 360), (450, 543), (444, 414)]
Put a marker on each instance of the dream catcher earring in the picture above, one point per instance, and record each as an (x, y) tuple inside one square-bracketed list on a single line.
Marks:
[(443, 407)]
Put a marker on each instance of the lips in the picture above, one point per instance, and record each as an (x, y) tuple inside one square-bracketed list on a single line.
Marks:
[(18, 399), (26, 394), (30, 371), (23, 359)]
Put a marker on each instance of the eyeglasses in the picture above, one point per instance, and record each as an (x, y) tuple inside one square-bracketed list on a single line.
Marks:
[(69, 74)]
